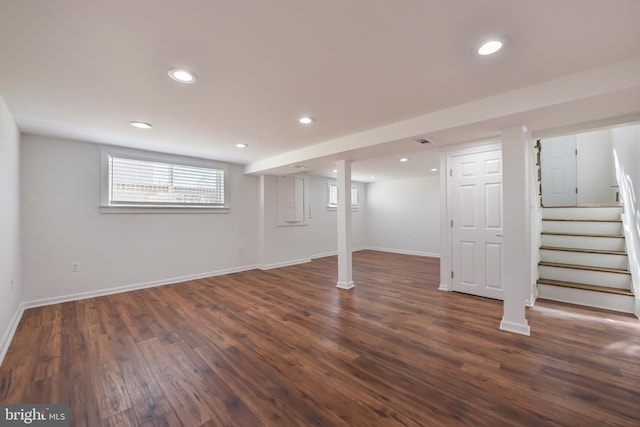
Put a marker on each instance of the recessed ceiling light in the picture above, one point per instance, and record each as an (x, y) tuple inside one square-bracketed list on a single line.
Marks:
[(182, 76), (335, 171), (489, 47), (404, 159), (141, 125), (242, 145), (306, 120), (434, 170), (372, 177)]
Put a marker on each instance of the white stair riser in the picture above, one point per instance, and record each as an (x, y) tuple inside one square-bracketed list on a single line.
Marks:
[(584, 242), (588, 277), (582, 213), (582, 227), (622, 303), (581, 258)]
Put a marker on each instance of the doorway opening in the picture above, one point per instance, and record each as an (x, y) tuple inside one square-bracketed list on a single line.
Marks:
[(578, 170)]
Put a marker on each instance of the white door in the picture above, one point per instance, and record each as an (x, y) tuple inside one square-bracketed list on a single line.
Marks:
[(476, 207), (559, 171)]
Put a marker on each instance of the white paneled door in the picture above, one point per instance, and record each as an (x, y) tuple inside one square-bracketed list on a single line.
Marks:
[(558, 163), (476, 214)]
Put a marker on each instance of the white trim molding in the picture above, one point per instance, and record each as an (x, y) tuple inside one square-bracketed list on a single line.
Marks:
[(284, 264), (346, 285), (11, 331), (404, 252), (133, 287), (517, 328)]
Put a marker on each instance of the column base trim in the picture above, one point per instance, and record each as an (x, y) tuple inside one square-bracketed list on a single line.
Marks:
[(346, 285), (516, 328)]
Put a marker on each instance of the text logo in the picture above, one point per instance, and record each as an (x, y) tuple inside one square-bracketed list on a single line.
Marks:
[(34, 415)]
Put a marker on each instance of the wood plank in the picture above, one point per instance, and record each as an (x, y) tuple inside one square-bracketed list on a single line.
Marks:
[(610, 236), (586, 287), (185, 398), (588, 251)]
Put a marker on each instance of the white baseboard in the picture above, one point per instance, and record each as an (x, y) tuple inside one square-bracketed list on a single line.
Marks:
[(132, 287), (517, 328), (346, 285), (444, 287), (324, 255), (404, 252), (284, 264), (335, 253), (10, 332)]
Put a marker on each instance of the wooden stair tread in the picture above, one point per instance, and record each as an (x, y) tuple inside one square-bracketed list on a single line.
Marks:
[(585, 287), (582, 220), (587, 251), (583, 267), (616, 236)]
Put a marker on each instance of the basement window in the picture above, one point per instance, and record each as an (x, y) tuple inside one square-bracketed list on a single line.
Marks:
[(136, 182), (332, 203)]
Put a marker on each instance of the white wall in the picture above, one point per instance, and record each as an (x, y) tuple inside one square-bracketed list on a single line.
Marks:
[(61, 223), (626, 143), (404, 216), (10, 277), (595, 173), (293, 244), (323, 233), (282, 244)]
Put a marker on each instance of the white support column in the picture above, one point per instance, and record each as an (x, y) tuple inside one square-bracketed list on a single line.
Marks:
[(261, 214), (516, 245), (345, 267)]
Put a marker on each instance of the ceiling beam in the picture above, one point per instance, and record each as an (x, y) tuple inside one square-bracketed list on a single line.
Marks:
[(615, 78)]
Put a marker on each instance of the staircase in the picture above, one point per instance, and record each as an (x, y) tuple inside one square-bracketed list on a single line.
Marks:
[(583, 259)]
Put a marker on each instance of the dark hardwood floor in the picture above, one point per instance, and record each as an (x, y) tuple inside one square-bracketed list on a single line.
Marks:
[(286, 348)]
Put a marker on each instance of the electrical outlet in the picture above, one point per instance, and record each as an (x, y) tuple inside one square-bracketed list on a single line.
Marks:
[(74, 267)]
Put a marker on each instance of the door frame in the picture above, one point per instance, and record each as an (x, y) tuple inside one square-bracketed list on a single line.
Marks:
[(446, 210)]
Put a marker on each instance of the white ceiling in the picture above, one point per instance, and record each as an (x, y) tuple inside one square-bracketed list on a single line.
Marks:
[(80, 69)]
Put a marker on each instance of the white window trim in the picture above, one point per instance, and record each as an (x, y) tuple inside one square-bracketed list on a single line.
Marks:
[(331, 207), (106, 207)]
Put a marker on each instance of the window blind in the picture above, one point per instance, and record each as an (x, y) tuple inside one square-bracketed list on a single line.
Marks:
[(141, 182)]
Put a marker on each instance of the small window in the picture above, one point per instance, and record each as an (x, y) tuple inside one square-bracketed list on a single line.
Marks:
[(333, 196), (354, 197), (149, 181)]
